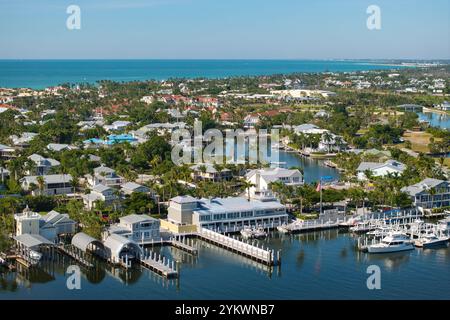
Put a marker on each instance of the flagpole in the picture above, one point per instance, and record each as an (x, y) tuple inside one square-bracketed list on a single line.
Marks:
[(320, 183)]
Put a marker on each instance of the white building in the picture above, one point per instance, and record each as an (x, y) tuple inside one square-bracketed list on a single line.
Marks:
[(380, 169), (49, 226), (226, 213), (429, 193), (132, 187), (308, 128), (137, 227), (106, 176), (43, 165), (24, 140), (117, 125), (262, 178), (7, 152), (54, 184), (99, 192)]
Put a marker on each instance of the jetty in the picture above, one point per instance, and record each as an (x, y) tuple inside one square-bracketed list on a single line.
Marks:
[(159, 264), (76, 254), (260, 254)]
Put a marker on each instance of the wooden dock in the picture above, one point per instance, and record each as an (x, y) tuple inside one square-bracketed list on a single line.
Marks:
[(159, 264), (265, 256), (75, 254)]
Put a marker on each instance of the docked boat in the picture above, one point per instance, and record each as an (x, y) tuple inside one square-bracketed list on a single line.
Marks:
[(431, 240), (380, 232), (444, 225), (35, 257), (283, 229), (394, 242), (253, 233)]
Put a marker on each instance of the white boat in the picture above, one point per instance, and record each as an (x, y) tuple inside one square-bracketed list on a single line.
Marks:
[(444, 225), (248, 233), (380, 232), (394, 242), (35, 256), (431, 240), (283, 229)]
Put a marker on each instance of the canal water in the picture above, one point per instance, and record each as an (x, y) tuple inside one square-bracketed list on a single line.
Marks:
[(318, 265), (435, 119)]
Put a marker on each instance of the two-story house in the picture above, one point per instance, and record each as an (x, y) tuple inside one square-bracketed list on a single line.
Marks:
[(429, 193), (262, 178), (99, 192), (52, 184), (41, 165), (105, 176), (140, 228)]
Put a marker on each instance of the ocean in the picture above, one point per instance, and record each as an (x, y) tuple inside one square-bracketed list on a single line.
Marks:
[(38, 74)]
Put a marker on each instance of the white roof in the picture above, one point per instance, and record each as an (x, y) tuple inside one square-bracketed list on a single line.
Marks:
[(51, 178), (32, 240), (273, 174), (132, 186), (135, 218), (115, 243)]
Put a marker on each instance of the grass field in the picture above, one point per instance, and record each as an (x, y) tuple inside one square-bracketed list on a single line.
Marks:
[(419, 140)]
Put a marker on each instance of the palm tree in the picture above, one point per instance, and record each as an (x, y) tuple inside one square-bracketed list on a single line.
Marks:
[(41, 184), (247, 185)]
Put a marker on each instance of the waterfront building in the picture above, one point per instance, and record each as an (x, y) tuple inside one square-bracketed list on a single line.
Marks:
[(42, 165), (50, 226), (207, 171), (429, 193), (106, 176), (137, 227), (380, 169), (226, 213), (308, 128), (99, 192), (54, 184), (262, 178), (117, 248)]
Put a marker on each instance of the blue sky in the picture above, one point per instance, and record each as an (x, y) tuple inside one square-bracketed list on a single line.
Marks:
[(231, 29)]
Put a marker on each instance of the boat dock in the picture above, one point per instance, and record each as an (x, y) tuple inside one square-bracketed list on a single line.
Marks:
[(265, 256), (76, 254), (314, 225), (159, 264)]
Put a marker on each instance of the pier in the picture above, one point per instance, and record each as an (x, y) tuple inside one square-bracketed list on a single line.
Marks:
[(159, 264), (265, 256), (76, 254)]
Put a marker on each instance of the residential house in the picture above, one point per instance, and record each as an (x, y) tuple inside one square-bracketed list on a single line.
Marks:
[(23, 141), (43, 165), (54, 184), (106, 176), (102, 193), (49, 226), (262, 178), (132, 187), (136, 227), (380, 169), (429, 193), (6, 152), (206, 171), (117, 125)]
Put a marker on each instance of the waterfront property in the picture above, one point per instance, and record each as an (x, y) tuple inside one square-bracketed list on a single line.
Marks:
[(119, 249), (54, 184), (380, 169), (50, 226), (106, 176), (139, 228), (429, 193), (262, 178), (226, 213)]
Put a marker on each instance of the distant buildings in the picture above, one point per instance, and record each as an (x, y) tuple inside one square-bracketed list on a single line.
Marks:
[(132, 187), (23, 140), (117, 125), (380, 169), (225, 213), (6, 152), (429, 193), (53, 184), (262, 178)]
